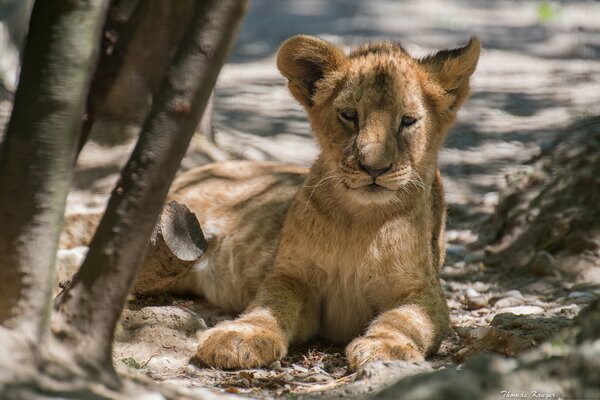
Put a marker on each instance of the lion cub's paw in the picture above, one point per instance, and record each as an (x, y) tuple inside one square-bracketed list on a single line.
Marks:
[(365, 349), (235, 344)]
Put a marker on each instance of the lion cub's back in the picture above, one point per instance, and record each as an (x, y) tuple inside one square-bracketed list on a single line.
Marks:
[(240, 206)]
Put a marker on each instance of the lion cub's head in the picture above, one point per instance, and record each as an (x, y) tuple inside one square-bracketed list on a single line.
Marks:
[(379, 114)]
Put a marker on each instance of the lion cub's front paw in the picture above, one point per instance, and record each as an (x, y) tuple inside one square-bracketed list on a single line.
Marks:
[(235, 344), (365, 349)]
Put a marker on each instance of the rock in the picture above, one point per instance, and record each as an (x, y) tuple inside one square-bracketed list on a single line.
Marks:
[(161, 363), (523, 310), (540, 286), (589, 322), (276, 366), (460, 236), (318, 378), (539, 328), (67, 264), (166, 317), (513, 293), (475, 256), (490, 199), (473, 300), (580, 295), (490, 338), (396, 369), (476, 302), (456, 250), (509, 302), (480, 286), (543, 264), (509, 334)]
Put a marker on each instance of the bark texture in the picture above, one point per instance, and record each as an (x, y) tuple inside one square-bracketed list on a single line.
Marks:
[(151, 46), (176, 244), (88, 310), (36, 155), (123, 19)]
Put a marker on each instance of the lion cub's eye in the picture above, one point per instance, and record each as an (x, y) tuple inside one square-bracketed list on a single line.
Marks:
[(407, 121), (349, 115)]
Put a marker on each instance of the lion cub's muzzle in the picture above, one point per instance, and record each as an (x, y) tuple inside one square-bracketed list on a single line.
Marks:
[(373, 171)]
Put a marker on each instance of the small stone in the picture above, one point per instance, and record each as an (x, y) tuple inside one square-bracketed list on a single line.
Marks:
[(513, 293), (276, 365), (509, 302), (318, 378), (543, 264), (523, 310), (580, 295), (490, 338), (68, 262), (540, 286), (474, 257), (475, 303), (287, 377), (579, 287), (190, 370), (470, 292), (490, 199), (456, 250), (390, 370), (503, 365), (159, 363), (480, 286), (299, 368)]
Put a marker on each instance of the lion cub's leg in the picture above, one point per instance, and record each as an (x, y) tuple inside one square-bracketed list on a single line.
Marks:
[(283, 311), (408, 332)]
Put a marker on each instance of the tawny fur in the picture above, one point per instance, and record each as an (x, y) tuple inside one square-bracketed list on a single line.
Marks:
[(350, 255)]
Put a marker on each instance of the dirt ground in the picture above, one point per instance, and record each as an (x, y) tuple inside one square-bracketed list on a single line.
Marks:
[(539, 72)]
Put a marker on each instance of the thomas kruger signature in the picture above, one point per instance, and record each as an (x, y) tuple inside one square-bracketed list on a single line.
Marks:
[(533, 394)]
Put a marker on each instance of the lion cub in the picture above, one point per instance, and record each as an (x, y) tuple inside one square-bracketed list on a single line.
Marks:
[(350, 250)]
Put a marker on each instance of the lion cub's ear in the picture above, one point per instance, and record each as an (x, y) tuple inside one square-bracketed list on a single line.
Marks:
[(451, 69), (304, 60)]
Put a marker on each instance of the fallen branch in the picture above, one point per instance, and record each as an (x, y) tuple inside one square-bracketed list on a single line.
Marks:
[(175, 245)]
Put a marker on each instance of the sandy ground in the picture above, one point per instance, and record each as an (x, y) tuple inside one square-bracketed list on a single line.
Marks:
[(539, 71)]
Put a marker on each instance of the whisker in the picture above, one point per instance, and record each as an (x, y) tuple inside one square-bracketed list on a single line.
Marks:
[(324, 179)]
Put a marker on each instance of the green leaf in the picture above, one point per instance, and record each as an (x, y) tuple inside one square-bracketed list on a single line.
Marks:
[(131, 363)]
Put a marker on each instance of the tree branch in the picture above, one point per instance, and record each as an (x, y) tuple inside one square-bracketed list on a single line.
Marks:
[(91, 306), (177, 242)]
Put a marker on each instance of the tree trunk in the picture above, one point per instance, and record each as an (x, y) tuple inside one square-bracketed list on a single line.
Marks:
[(89, 309), (115, 45), (36, 155), (150, 50)]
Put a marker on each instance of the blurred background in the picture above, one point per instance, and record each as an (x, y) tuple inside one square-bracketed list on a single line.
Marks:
[(538, 72)]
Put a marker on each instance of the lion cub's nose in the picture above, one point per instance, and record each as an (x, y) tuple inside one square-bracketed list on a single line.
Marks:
[(375, 172)]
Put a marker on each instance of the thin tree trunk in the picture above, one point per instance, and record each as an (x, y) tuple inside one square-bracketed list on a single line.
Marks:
[(115, 45), (89, 309), (36, 155)]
